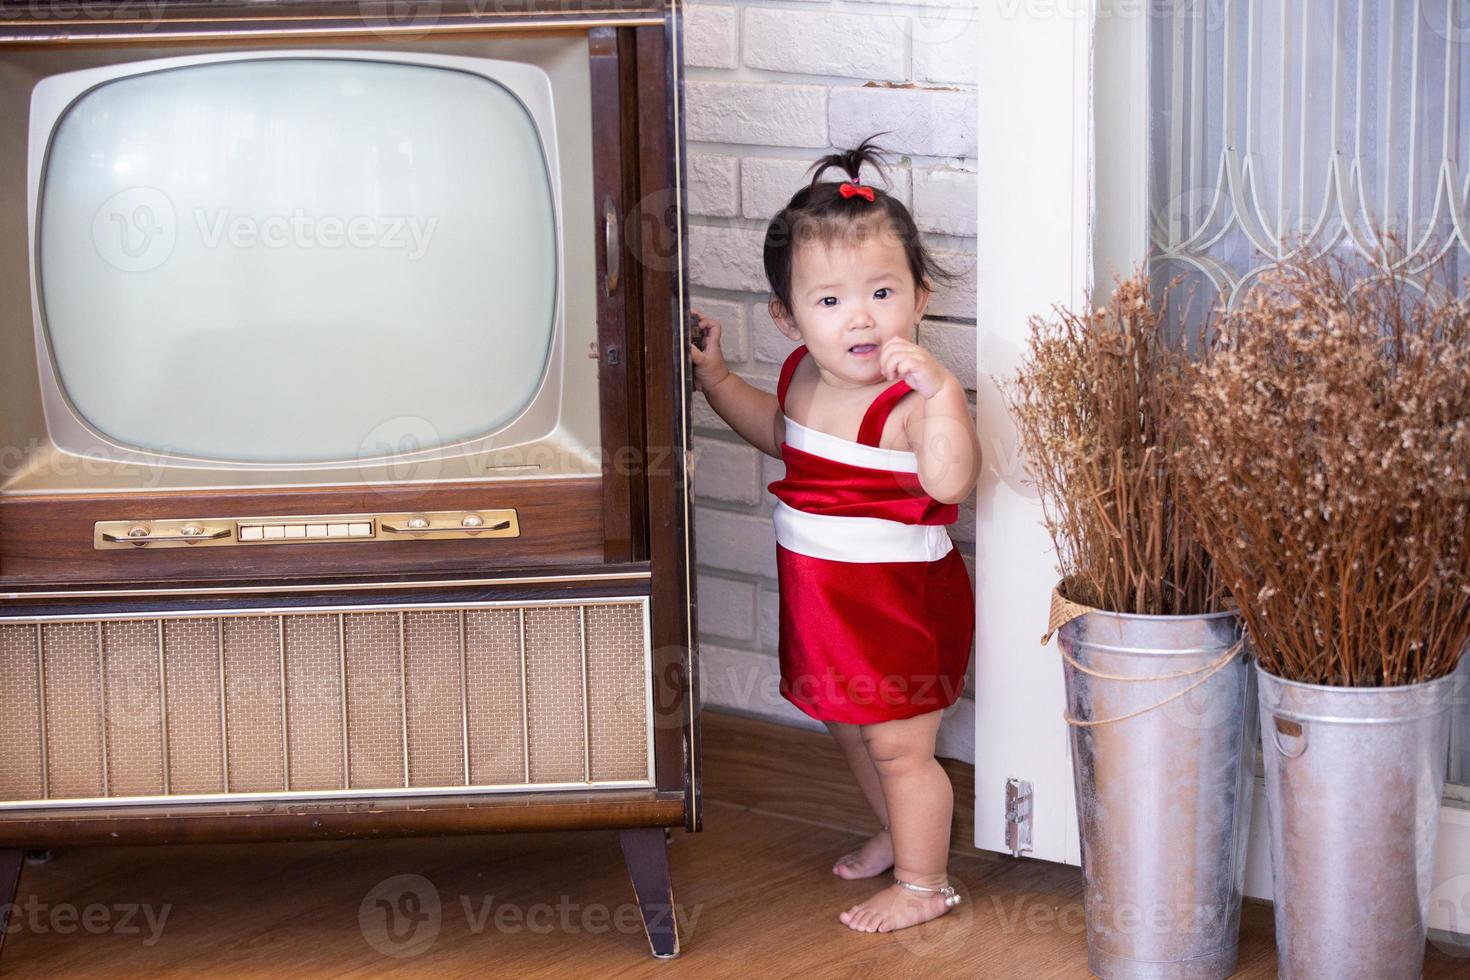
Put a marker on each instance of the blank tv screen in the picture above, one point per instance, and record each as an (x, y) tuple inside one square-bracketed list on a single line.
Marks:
[(297, 260)]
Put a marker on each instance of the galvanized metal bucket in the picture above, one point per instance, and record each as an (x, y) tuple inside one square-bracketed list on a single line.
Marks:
[(1162, 712), (1354, 777)]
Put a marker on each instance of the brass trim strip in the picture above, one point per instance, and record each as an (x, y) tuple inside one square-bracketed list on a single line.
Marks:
[(102, 704), (586, 699), (322, 30), (224, 705), (403, 687), (314, 795), (467, 15), (41, 698), (651, 770), (155, 534), (525, 702), (329, 587), (464, 693), (285, 699), (163, 705), (342, 675), (691, 636), (267, 611)]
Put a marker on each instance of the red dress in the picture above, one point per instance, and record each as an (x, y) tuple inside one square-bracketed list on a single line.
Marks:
[(876, 611)]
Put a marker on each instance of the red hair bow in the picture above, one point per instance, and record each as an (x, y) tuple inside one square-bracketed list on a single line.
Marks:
[(852, 190)]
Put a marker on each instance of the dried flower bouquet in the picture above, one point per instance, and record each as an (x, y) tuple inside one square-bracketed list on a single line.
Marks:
[(1094, 403), (1327, 467)]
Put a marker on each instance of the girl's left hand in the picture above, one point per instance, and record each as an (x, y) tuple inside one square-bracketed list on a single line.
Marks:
[(900, 358)]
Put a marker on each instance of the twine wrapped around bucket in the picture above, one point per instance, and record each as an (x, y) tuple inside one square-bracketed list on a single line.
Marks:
[(1064, 610)]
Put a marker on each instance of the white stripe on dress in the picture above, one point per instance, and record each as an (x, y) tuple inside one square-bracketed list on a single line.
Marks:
[(858, 539), (831, 447)]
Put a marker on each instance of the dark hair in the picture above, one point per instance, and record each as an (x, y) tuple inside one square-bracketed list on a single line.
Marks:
[(820, 211)]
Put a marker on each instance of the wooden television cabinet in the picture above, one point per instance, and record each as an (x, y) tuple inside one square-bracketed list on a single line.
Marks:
[(183, 665)]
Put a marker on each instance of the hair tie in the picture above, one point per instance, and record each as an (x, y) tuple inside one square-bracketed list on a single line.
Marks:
[(852, 190)]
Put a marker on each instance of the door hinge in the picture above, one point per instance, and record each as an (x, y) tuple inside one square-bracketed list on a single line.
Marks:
[(1018, 816)]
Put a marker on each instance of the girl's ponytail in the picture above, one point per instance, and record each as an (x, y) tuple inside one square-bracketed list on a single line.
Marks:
[(851, 161)]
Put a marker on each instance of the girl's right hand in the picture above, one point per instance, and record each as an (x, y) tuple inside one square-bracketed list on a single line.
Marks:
[(709, 363)]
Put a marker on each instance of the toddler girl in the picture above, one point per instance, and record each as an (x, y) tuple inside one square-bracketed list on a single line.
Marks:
[(876, 609)]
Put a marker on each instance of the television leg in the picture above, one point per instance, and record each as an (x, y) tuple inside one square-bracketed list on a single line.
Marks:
[(11, 859), (645, 850)]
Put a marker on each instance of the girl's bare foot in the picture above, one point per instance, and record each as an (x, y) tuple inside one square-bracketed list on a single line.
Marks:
[(893, 908), (868, 861)]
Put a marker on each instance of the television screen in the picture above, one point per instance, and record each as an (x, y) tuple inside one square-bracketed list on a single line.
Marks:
[(297, 259)]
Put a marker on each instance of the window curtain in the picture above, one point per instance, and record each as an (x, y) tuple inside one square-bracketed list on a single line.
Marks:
[(1319, 125)]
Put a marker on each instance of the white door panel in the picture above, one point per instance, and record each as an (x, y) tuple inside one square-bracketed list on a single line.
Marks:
[(1033, 252)]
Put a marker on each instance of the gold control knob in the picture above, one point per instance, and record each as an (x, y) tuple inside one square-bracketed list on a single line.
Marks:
[(191, 530), (138, 531), (472, 520), (418, 523)]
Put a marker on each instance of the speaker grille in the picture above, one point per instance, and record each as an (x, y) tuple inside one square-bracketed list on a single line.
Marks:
[(325, 702)]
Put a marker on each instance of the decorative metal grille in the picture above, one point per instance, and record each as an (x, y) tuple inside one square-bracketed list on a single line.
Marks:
[(1278, 127), (325, 702)]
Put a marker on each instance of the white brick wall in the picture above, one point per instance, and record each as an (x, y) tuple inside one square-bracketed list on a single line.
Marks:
[(825, 43), (768, 89), (724, 257), (727, 471), (714, 185), (933, 122), (711, 36), (776, 115), (944, 202)]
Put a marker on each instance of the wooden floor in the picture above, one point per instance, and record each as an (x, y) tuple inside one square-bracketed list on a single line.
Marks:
[(755, 892)]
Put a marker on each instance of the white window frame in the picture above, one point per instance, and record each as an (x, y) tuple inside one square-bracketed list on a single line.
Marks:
[(1062, 205)]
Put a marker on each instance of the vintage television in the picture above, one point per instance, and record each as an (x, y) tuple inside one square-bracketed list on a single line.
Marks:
[(343, 425)]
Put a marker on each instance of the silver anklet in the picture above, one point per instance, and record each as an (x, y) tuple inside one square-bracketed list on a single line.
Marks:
[(950, 898)]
